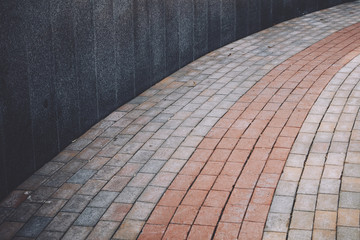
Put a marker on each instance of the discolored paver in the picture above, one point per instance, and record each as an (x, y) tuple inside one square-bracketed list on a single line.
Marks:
[(258, 139)]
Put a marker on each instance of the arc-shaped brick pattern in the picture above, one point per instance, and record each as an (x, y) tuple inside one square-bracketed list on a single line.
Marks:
[(318, 192), (225, 189)]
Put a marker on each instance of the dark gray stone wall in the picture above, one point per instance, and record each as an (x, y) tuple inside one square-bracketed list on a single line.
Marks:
[(66, 64)]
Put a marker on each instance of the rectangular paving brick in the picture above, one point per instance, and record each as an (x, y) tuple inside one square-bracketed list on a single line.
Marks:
[(77, 232), (152, 194), (58, 179), (116, 184), (103, 199), (50, 208), (140, 211), (76, 204), (62, 222), (116, 212), (92, 187), (302, 220), (33, 227), (90, 216), (24, 212), (129, 194), (81, 176), (129, 229), (103, 230)]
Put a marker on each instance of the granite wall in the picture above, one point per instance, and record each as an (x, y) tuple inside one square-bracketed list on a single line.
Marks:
[(66, 64)]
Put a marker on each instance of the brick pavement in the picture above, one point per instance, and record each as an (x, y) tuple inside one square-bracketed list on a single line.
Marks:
[(322, 200), (211, 150)]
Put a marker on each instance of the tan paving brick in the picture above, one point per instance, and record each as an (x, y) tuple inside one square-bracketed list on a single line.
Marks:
[(348, 217), (325, 220), (302, 220)]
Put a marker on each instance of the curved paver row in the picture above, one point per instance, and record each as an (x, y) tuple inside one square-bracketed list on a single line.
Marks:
[(165, 163), (225, 189), (319, 191)]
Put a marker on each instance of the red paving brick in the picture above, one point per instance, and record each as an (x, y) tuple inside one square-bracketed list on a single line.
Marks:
[(185, 214)]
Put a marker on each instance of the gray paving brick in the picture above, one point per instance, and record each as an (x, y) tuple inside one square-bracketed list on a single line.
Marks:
[(82, 176), (77, 232), (90, 216), (103, 199), (62, 222), (41, 194), (50, 208), (153, 166), (163, 153), (79, 144), (299, 235), (282, 204), (307, 186), (173, 142), (349, 200), (330, 186), (152, 194), (5, 212), (348, 233), (33, 227), (74, 165), (24, 212), (277, 222), (173, 165), (129, 194), (46, 235), (352, 170), (142, 156), (131, 148), (140, 211), (152, 144), (33, 182), (58, 179), (49, 168), (106, 173), (119, 160), (76, 204), (103, 230), (92, 187)]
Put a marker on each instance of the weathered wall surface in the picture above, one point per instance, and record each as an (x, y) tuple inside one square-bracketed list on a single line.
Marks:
[(65, 64)]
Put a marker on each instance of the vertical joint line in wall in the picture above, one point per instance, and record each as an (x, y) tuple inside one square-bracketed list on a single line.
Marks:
[(115, 48), (193, 30), (221, 18), (75, 68), (235, 20), (150, 50), (95, 60), (29, 91), (165, 38), (52, 85), (178, 31), (133, 49), (207, 26)]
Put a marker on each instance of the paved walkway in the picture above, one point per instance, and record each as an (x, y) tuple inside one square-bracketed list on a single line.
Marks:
[(257, 140)]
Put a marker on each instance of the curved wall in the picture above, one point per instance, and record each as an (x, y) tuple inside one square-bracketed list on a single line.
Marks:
[(66, 64)]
